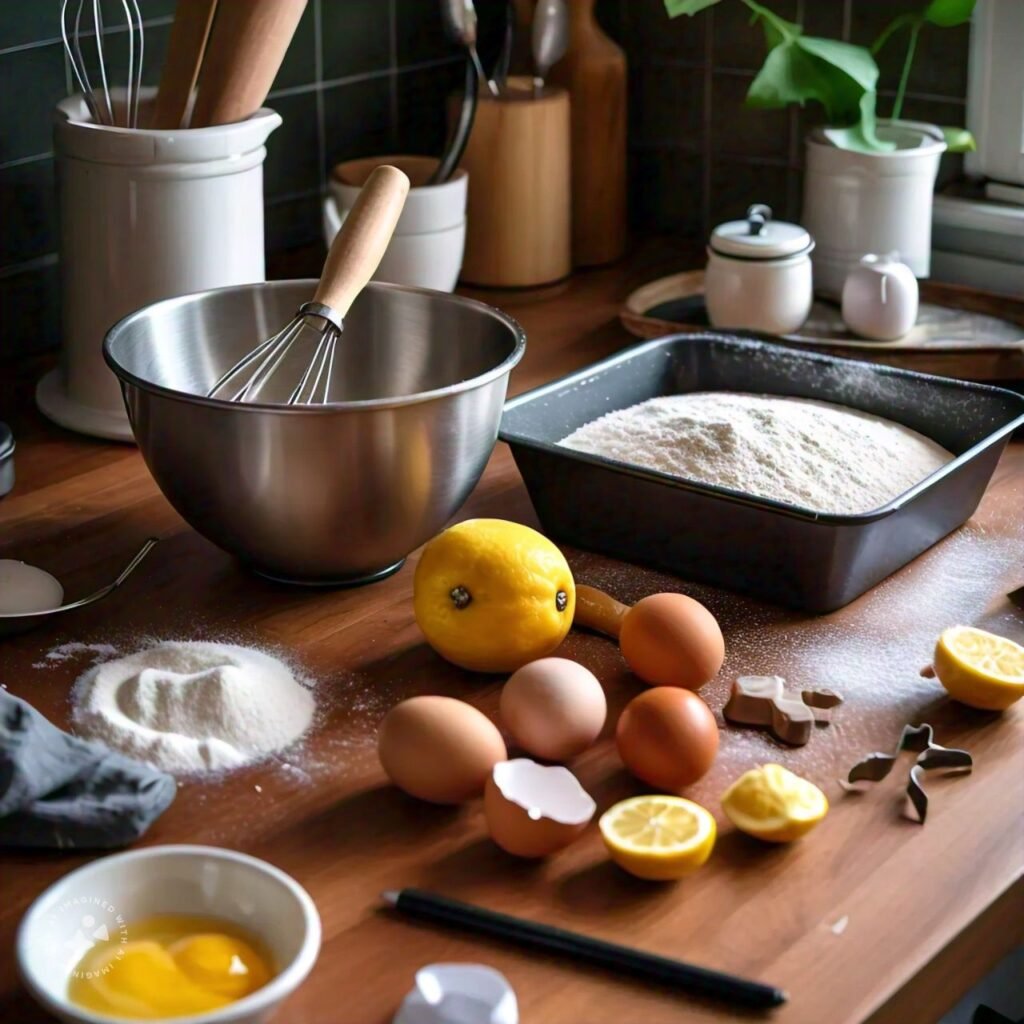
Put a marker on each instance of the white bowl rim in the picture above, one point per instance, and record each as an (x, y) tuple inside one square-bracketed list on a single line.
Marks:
[(276, 990)]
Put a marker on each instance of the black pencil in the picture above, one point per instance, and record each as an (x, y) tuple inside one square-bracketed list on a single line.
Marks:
[(582, 948)]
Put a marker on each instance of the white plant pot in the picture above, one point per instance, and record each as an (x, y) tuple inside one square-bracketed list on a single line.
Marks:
[(144, 215), (860, 203)]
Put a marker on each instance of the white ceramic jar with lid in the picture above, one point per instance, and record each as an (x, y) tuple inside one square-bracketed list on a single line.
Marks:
[(758, 275)]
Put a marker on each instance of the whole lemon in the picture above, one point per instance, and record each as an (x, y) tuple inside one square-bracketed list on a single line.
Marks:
[(491, 595)]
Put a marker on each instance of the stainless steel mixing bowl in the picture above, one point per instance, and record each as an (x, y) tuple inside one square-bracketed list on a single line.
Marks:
[(335, 494)]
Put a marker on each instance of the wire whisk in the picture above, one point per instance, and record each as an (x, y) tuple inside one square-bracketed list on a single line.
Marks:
[(83, 21)]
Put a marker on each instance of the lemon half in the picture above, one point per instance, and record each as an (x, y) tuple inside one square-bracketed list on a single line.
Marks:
[(980, 669), (773, 804), (661, 838)]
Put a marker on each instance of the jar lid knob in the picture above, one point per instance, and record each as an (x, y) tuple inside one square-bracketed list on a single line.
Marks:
[(757, 216)]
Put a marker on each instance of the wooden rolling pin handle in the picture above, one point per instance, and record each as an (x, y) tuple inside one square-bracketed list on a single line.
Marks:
[(189, 34), (359, 246), (599, 611)]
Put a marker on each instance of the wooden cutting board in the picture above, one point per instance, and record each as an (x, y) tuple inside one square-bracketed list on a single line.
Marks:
[(961, 332)]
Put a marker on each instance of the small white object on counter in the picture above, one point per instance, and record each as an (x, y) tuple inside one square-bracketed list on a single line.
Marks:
[(25, 588), (758, 275), (880, 298), (459, 994)]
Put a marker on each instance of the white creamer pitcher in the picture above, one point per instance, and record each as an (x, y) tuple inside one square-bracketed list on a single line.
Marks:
[(144, 215)]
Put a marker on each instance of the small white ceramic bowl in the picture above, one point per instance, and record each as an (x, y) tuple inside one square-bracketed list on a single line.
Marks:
[(99, 901), (427, 247)]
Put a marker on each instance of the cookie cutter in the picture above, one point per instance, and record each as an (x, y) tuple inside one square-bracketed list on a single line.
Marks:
[(764, 701), (918, 739)]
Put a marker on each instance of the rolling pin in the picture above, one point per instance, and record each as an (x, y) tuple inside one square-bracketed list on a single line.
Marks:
[(189, 35), (246, 47)]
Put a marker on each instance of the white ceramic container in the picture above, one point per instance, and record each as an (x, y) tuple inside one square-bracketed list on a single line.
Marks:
[(106, 895), (858, 203), (144, 215), (880, 298), (427, 247), (758, 275)]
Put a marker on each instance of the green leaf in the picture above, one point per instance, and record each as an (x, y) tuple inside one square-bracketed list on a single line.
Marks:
[(959, 140), (948, 13), (836, 75), (776, 30), (689, 7), (861, 137)]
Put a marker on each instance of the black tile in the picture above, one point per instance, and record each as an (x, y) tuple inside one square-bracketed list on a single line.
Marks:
[(940, 62), (666, 191), (356, 36), (666, 105), (293, 154), (611, 16), (31, 82), (424, 100), (28, 211), (738, 40), (293, 222), (30, 22), (419, 32), (823, 18), (736, 185), (648, 32), (113, 10), (739, 130), (31, 305), (299, 64), (357, 120)]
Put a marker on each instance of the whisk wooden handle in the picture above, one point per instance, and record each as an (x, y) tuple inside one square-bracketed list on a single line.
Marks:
[(359, 246), (246, 47)]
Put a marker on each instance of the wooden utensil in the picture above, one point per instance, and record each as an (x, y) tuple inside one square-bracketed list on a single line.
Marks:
[(594, 72), (246, 47), (189, 34)]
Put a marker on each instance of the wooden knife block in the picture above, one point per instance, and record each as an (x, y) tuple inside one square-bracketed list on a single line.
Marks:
[(519, 214)]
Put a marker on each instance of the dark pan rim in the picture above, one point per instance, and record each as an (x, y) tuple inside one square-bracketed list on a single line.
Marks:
[(514, 439), (367, 404)]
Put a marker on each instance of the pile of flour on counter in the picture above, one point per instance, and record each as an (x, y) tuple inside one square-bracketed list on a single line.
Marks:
[(192, 706), (819, 456)]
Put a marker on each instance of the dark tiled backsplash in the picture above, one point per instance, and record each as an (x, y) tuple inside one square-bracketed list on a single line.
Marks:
[(371, 76)]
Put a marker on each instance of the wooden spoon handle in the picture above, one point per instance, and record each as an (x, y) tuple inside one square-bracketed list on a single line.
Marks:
[(185, 48), (247, 45), (359, 246), (598, 611)]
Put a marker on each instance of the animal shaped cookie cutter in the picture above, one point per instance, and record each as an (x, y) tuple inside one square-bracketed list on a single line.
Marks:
[(930, 755), (765, 701)]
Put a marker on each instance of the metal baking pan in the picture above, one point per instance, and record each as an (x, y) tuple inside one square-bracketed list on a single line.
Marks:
[(816, 562)]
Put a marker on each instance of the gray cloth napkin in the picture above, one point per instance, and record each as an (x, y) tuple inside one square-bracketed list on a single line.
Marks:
[(60, 791)]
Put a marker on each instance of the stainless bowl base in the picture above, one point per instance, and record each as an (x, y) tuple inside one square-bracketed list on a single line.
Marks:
[(338, 584)]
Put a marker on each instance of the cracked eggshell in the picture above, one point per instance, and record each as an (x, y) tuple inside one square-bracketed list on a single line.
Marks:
[(533, 810), (439, 749), (554, 708)]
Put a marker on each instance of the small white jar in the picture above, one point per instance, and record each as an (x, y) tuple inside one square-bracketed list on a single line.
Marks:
[(758, 275), (880, 298)]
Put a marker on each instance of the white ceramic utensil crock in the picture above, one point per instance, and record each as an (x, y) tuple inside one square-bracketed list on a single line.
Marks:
[(855, 203), (144, 215), (429, 240), (880, 298), (100, 901), (758, 275)]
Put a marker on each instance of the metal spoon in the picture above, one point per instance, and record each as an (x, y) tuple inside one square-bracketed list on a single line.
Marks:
[(460, 24), (21, 622), (550, 38)]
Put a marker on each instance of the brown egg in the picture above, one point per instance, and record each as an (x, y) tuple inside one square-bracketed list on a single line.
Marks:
[(554, 708), (667, 737), (533, 810), (439, 749), (672, 640)]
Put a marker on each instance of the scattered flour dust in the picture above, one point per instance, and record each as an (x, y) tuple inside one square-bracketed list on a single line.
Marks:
[(816, 455), (192, 706)]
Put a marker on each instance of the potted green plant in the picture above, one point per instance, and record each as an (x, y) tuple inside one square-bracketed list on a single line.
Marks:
[(869, 181)]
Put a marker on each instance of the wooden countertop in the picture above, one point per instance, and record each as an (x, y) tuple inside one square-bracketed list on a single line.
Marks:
[(871, 917)]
